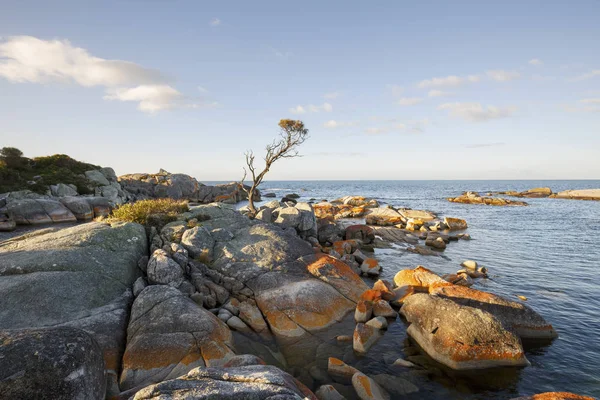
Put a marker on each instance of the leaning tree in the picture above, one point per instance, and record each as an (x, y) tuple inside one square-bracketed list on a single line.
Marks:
[(292, 134)]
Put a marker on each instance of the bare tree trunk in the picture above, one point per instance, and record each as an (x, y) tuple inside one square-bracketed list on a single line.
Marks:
[(251, 206)]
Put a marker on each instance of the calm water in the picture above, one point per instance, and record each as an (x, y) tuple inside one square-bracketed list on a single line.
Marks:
[(548, 252)]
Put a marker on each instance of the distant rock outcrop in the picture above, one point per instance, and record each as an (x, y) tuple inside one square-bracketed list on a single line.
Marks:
[(475, 198)]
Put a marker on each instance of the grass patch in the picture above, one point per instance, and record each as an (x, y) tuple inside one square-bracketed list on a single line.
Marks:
[(150, 212)]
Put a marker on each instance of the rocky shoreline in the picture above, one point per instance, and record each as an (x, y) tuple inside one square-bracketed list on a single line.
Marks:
[(217, 305), (535, 193)]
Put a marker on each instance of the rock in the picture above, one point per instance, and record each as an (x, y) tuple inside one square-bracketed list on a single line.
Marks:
[(478, 341), (329, 232), (301, 217), (582, 194), (332, 212), (383, 217), (413, 224), (54, 363), (340, 371), (403, 363), (328, 392), (339, 275), (38, 211), (293, 196), (97, 177), (475, 198), (554, 396), (367, 388), (169, 335), (420, 277), (455, 223), (470, 265), (401, 293), (138, 286), (251, 315), (536, 192), (199, 243), (79, 206), (386, 288), (377, 323), (247, 382), (7, 224), (100, 206), (382, 308), (238, 325), (163, 270), (363, 233), (62, 190), (269, 195), (79, 277), (421, 215), (435, 241), (513, 315), (265, 215), (363, 311), (395, 385), (364, 337), (461, 279), (180, 255), (370, 267)]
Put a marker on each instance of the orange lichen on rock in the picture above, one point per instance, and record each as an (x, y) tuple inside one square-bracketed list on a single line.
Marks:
[(386, 288), (554, 396), (371, 295), (339, 275), (420, 277)]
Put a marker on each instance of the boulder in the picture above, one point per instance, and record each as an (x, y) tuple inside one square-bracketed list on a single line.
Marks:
[(365, 336), (328, 392), (367, 389), (386, 288), (475, 198), (163, 270), (169, 335), (420, 277), (514, 315), (79, 206), (382, 308), (363, 311), (370, 267), (47, 279), (53, 363), (363, 233), (332, 212), (395, 385), (7, 224), (247, 382), (582, 194), (340, 371), (62, 190), (199, 243), (97, 177), (421, 215), (377, 323), (38, 211), (383, 216), (478, 341), (329, 232), (455, 224)]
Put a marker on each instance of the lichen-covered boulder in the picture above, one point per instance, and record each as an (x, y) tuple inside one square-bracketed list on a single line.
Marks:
[(163, 270), (247, 382), (53, 363), (169, 335), (39, 211), (459, 336), (199, 243), (79, 276), (419, 277), (554, 396)]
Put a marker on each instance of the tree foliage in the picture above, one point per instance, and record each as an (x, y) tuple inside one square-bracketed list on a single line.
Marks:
[(292, 134)]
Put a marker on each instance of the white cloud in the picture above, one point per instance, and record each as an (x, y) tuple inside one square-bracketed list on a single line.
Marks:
[(503, 75), (589, 75), (331, 95), (150, 98), (438, 93), (475, 112), (448, 81), (333, 124), (326, 107), (590, 101), (298, 110), (535, 61), (413, 126), (29, 59), (377, 131), (215, 22), (409, 101)]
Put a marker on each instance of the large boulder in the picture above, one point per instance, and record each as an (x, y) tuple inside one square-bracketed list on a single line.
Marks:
[(169, 335), (582, 194), (38, 211), (384, 216), (199, 243), (514, 315), (54, 363), (62, 190), (246, 382), (301, 217), (419, 277), (459, 336), (79, 276)]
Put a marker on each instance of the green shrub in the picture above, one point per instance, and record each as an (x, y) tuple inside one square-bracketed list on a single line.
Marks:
[(149, 212)]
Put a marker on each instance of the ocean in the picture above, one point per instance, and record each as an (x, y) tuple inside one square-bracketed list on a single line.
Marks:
[(548, 251)]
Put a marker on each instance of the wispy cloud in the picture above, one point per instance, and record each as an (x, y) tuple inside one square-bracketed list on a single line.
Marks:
[(396, 90), (586, 76), (326, 107), (215, 22), (448, 81), (501, 75), (438, 93), (34, 60), (331, 95), (482, 145), (392, 125), (476, 112), (337, 154), (409, 101), (535, 61), (333, 124)]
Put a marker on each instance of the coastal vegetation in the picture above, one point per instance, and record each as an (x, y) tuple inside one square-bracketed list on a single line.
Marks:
[(36, 174), (292, 135), (144, 210)]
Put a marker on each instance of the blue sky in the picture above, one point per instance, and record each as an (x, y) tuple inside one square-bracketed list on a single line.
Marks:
[(389, 89)]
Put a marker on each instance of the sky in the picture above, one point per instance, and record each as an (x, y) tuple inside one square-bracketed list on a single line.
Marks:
[(388, 89)]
